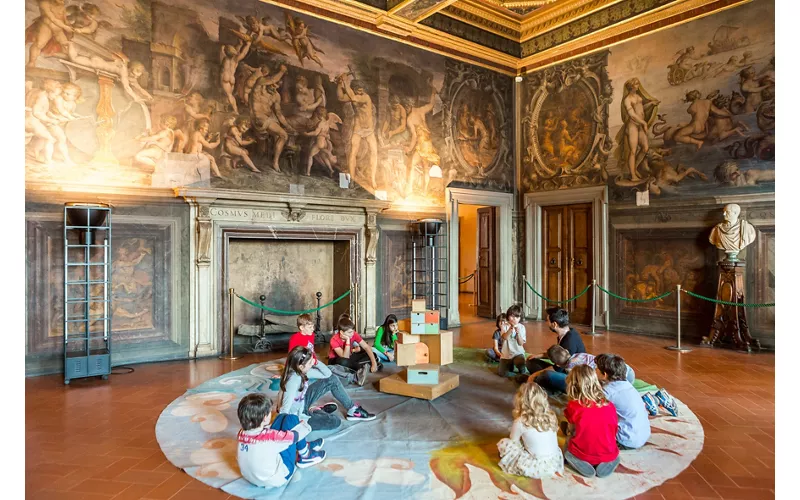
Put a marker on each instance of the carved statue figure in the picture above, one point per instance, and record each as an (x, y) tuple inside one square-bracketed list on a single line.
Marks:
[(732, 235)]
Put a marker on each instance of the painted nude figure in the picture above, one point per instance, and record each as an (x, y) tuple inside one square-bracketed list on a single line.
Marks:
[(49, 32), (421, 149), (322, 148), (234, 143), (395, 124), (38, 121), (638, 113), (155, 145), (191, 113), (751, 89), (364, 126), (267, 117), (300, 39), (230, 57), (199, 140)]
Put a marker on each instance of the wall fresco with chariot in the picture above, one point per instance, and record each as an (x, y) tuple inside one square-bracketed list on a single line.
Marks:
[(687, 111), (140, 93)]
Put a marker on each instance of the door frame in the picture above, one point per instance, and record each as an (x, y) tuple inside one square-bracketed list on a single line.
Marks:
[(504, 203), (598, 197)]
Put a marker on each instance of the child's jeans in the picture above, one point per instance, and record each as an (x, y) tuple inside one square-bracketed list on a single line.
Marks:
[(381, 356), (354, 362), (491, 355), (286, 422), (320, 420), (507, 366)]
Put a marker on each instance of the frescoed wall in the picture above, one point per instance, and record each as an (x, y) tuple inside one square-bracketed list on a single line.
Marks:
[(245, 95)]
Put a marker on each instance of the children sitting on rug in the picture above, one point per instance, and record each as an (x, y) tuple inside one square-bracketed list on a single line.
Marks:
[(538, 455), (268, 454), (591, 426), (566, 336), (512, 353), (495, 353), (555, 379), (386, 339), (634, 426), (297, 394), (348, 349), (305, 338)]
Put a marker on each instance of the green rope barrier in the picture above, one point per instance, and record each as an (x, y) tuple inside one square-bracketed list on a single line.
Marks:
[(635, 300), (294, 313), (725, 302), (558, 301)]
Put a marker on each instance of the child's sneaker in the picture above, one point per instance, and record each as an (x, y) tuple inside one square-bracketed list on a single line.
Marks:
[(361, 375), (316, 444), (314, 457), (327, 408), (667, 402), (359, 413), (650, 404)]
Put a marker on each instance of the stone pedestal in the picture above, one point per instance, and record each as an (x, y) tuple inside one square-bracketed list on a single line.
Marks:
[(730, 321)]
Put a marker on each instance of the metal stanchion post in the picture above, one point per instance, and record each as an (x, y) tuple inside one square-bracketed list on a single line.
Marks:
[(678, 347), (230, 356), (594, 309)]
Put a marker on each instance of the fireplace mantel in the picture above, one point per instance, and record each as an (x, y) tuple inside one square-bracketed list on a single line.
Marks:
[(216, 212)]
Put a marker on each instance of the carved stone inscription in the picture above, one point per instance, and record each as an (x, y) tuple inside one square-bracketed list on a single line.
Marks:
[(283, 216)]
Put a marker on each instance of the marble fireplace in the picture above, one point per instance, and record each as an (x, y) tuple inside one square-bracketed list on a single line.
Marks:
[(223, 222)]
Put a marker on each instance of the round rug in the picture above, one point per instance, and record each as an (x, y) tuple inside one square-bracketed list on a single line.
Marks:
[(442, 449)]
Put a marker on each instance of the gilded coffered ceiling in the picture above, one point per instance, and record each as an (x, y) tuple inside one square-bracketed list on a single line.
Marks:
[(510, 36)]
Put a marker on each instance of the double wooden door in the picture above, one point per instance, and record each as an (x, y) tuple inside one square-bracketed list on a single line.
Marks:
[(487, 263), (567, 251)]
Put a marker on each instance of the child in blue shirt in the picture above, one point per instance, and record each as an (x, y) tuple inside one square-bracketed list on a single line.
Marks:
[(634, 424), (496, 351)]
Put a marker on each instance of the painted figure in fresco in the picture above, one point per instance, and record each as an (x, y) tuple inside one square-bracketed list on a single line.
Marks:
[(191, 112), (721, 123), (307, 100), (549, 127), (256, 30), (683, 69), (751, 89), (364, 126), (49, 32), (322, 147), (491, 120), (639, 110), (300, 39), (566, 145), (38, 122), (724, 40), (728, 174), (421, 148), (200, 140), (234, 144), (267, 117), (156, 145), (395, 124), (124, 274), (84, 19), (230, 57), (665, 176), (53, 90), (695, 131), (257, 74)]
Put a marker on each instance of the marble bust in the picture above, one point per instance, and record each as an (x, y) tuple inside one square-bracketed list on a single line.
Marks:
[(732, 235)]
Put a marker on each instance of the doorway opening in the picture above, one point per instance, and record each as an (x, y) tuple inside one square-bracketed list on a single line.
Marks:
[(477, 262)]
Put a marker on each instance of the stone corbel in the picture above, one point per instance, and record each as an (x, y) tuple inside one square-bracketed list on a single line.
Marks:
[(372, 239), (294, 213), (203, 235)]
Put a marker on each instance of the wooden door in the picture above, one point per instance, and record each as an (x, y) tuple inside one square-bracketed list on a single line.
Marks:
[(567, 251), (487, 264)]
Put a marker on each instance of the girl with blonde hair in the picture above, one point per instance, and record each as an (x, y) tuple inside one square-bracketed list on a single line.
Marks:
[(591, 426), (535, 425)]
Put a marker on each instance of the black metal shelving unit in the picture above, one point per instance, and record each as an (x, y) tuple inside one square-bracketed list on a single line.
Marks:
[(87, 291), (429, 265)]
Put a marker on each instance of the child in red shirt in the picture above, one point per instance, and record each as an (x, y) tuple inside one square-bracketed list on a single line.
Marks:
[(305, 338), (344, 351), (592, 425)]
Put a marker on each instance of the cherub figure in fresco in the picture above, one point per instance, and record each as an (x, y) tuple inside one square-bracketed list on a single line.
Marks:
[(156, 145), (415, 122), (84, 19), (200, 140), (639, 110), (38, 122), (49, 32), (234, 143), (322, 147), (53, 90), (230, 57), (549, 126), (191, 112), (299, 36), (256, 29), (364, 126), (751, 89), (252, 75), (66, 103), (267, 116), (566, 144), (395, 124)]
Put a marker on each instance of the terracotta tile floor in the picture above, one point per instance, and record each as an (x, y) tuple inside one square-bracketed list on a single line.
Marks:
[(96, 440)]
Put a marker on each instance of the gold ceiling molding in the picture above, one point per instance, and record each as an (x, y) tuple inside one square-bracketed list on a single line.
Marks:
[(476, 20), (559, 14), (550, 57)]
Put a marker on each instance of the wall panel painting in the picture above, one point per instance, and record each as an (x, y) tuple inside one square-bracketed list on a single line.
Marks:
[(245, 95)]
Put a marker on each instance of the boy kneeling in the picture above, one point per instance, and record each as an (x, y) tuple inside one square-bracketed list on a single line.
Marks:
[(268, 455)]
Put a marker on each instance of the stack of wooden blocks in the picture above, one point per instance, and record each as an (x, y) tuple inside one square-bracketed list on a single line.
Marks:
[(424, 351)]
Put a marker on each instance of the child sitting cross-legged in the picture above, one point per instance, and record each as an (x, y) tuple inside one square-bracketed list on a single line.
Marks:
[(591, 426), (297, 394), (268, 454), (386, 339), (634, 426), (554, 379), (535, 424), (348, 349), (513, 342), (496, 352)]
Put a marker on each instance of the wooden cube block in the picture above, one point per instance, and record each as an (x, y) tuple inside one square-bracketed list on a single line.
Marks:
[(431, 316), (418, 305), (417, 328), (440, 347), (431, 328), (407, 338), (418, 318), (423, 374), (396, 384), (411, 354)]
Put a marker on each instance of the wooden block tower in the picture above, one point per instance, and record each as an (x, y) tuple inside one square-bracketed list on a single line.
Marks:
[(424, 351)]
